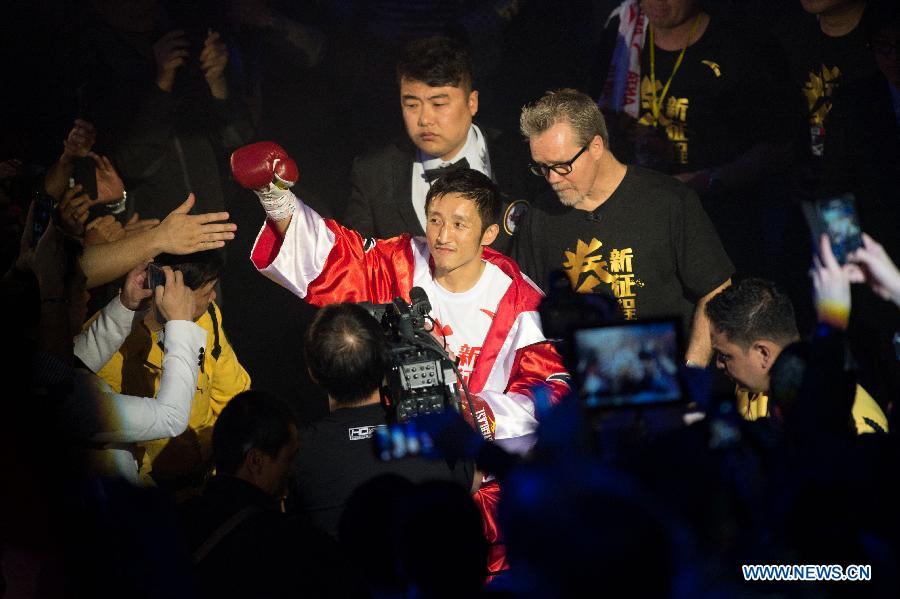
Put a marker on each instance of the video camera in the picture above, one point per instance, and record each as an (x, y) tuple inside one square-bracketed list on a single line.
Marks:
[(421, 378)]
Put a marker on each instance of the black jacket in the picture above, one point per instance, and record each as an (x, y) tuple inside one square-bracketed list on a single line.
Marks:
[(380, 202)]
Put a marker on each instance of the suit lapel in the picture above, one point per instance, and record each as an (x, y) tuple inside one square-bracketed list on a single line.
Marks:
[(402, 192)]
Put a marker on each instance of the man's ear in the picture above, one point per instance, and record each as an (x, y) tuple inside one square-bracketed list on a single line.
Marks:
[(254, 461), (765, 353), (473, 102), (597, 147), (490, 234)]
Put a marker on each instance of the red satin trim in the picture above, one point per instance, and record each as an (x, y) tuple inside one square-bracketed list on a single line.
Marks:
[(533, 364), (487, 498), (352, 274), (267, 246), (520, 297)]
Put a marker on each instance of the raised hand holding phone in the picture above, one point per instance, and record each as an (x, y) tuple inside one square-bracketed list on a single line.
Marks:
[(837, 218), (135, 289), (174, 300)]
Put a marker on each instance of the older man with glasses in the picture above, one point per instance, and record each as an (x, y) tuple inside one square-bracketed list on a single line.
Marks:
[(621, 229)]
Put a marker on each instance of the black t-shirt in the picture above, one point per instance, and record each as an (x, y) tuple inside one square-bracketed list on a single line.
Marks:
[(819, 65), (721, 101), (336, 456), (651, 243)]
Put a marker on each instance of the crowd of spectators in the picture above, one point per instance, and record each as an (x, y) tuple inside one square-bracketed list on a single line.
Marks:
[(679, 160)]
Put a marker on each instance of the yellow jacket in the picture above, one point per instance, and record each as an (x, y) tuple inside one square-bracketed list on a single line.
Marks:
[(756, 405), (136, 368)]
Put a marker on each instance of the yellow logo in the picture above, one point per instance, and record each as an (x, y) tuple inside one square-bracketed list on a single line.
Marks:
[(714, 66), (588, 269), (818, 90)]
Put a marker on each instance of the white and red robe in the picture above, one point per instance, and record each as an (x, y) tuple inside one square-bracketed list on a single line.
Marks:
[(495, 328)]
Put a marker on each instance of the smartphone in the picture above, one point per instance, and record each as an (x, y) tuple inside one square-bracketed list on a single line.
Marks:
[(837, 218), (86, 175), (155, 277), (631, 363)]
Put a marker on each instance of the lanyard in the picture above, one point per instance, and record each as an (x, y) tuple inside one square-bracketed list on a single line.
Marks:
[(657, 103)]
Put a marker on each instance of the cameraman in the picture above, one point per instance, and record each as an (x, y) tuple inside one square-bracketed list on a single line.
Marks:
[(346, 355)]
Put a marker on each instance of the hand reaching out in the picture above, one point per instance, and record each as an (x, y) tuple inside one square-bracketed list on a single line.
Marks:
[(182, 233)]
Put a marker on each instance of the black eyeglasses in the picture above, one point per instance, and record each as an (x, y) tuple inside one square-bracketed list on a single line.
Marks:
[(560, 168)]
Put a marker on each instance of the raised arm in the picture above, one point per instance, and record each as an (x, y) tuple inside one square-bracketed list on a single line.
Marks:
[(699, 350), (126, 418), (179, 233), (316, 259), (106, 333)]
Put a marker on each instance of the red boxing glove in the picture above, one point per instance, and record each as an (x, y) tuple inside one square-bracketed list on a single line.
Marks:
[(257, 165)]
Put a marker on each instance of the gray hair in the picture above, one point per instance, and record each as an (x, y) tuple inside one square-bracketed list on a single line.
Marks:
[(565, 106)]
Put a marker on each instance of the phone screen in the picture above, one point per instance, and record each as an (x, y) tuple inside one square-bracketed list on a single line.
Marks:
[(86, 175), (624, 364), (837, 218), (840, 222)]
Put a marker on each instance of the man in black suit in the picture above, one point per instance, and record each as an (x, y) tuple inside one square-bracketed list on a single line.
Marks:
[(388, 186)]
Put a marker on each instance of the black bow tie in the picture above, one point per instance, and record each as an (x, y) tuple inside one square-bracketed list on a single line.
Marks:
[(433, 173)]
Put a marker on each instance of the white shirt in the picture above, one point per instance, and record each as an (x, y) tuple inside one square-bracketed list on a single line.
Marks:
[(475, 151)]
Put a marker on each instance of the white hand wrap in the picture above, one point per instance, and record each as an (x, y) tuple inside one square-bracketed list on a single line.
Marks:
[(278, 203)]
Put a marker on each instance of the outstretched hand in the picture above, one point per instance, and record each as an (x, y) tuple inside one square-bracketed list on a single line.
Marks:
[(182, 233)]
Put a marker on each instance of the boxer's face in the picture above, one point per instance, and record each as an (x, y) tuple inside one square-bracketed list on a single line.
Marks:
[(454, 233), (437, 118)]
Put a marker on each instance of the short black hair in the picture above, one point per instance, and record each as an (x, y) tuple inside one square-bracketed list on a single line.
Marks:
[(345, 352), (251, 419), (753, 309), (437, 61), (473, 185), (198, 268)]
